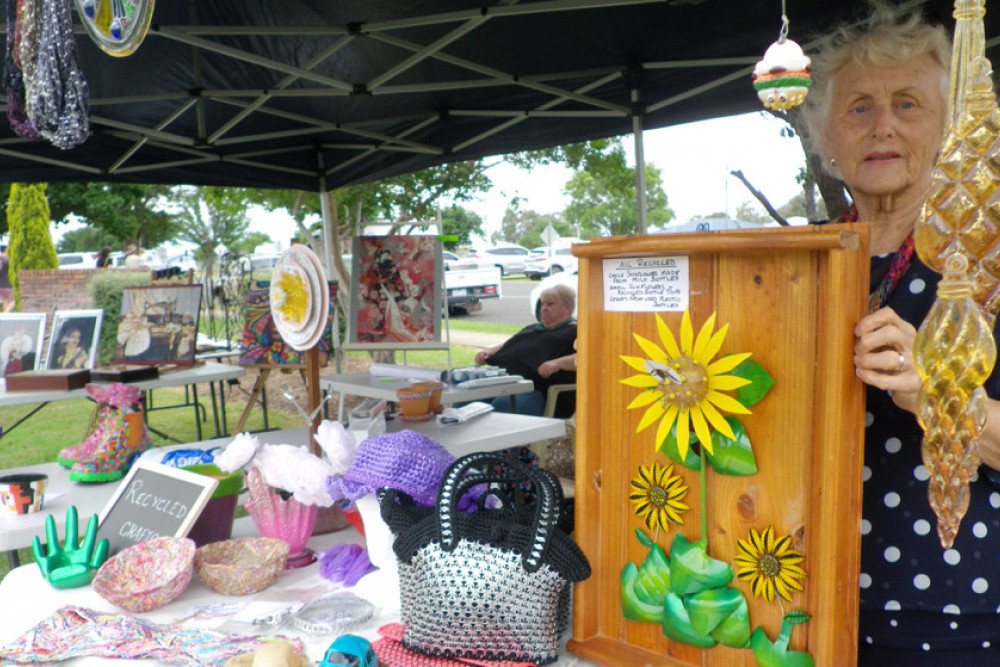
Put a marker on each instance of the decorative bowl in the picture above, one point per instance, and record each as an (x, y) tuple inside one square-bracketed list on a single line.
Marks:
[(241, 566), (147, 575)]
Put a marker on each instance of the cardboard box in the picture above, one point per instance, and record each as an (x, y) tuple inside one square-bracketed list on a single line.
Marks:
[(124, 373)]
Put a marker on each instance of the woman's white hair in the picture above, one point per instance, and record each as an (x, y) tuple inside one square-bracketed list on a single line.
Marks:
[(887, 38)]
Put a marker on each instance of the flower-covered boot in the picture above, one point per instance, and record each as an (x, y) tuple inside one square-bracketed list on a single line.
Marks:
[(103, 412), (125, 436)]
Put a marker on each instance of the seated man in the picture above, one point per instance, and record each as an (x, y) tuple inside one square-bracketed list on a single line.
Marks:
[(543, 353)]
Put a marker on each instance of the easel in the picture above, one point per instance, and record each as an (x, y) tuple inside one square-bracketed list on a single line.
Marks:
[(259, 385)]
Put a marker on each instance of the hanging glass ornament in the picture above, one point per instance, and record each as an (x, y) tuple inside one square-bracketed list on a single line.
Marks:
[(782, 78), (117, 26)]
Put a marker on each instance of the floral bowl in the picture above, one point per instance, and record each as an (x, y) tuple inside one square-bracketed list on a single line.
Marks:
[(241, 566), (147, 575)]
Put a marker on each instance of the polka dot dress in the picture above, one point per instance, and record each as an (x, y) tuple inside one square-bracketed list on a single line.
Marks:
[(914, 594)]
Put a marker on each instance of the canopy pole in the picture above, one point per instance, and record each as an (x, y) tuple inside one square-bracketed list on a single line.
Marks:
[(640, 162)]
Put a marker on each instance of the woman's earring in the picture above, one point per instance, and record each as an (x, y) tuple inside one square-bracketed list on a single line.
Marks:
[(833, 163)]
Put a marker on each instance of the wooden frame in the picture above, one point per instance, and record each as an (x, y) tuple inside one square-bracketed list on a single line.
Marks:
[(791, 296), (76, 335), (158, 324), (26, 355)]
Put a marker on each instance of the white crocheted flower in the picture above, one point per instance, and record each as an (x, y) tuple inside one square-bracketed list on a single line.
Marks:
[(237, 453), (338, 445)]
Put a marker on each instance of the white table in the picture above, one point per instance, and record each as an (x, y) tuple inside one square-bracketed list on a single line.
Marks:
[(211, 373), (36, 600), (371, 386), (496, 430)]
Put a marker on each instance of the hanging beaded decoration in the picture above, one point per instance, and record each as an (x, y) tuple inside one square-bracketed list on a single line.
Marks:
[(57, 96), (13, 78), (116, 26), (782, 78)]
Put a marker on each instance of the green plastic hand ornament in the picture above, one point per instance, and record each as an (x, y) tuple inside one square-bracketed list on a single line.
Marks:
[(72, 563)]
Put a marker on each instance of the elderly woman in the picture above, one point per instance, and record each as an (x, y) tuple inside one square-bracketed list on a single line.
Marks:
[(878, 108), (544, 353)]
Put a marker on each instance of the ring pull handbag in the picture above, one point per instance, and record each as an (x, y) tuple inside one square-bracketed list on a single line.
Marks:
[(493, 584)]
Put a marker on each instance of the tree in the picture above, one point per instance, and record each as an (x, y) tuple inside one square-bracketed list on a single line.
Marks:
[(125, 211), (30, 242), (246, 244), (86, 239), (460, 222), (746, 211), (603, 191), (211, 217)]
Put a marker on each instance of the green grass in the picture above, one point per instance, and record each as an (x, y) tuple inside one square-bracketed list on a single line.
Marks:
[(484, 327), (57, 425), (461, 355)]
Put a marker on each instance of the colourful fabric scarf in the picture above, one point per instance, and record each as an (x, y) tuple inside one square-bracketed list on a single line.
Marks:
[(897, 267)]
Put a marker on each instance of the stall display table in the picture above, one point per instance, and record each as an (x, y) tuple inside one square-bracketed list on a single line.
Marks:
[(371, 386), (211, 373), (37, 600)]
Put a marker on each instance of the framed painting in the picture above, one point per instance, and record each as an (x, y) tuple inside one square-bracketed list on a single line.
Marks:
[(21, 337), (74, 339), (396, 301), (158, 325)]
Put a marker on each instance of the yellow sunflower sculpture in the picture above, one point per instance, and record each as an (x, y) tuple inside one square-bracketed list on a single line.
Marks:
[(769, 565), (656, 494), (682, 384)]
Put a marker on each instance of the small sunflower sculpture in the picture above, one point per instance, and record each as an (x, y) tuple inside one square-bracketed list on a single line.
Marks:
[(769, 565), (656, 495), (681, 384)]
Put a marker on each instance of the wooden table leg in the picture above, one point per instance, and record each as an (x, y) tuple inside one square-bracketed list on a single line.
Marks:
[(258, 388)]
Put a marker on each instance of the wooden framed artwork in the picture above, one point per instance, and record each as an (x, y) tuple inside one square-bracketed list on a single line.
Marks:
[(158, 325), (74, 340), (396, 300), (719, 421), (21, 337)]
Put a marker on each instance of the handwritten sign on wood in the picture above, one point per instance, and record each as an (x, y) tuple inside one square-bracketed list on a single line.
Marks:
[(646, 284), (153, 500)]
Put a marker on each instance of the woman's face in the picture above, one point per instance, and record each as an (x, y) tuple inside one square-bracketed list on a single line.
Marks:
[(885, 126)]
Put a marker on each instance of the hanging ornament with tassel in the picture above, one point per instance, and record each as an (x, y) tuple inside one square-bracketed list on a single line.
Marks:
[(957, 235), (782, 79)]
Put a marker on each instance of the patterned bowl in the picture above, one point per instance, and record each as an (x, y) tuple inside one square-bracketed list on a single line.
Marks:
[(147, 575), (241, 566)]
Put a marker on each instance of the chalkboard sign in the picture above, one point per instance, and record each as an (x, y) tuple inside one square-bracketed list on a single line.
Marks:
[(153, 500)]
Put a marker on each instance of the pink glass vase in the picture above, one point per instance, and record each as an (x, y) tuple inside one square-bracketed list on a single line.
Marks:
[(282, 518)]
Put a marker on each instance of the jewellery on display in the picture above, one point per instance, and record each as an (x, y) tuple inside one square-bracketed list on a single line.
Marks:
[(782, 78)]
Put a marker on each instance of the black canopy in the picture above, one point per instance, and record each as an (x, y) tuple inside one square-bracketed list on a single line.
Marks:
[(316, 94)]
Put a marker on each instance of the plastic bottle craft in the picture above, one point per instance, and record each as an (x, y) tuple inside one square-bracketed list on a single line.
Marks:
[(957, 236)]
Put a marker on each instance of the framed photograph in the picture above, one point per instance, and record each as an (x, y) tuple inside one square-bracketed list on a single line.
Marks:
[(74, 339), (21, 338), (397, 302), (158, 325)]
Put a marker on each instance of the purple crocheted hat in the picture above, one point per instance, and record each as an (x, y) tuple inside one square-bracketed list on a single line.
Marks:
[(404, 460)]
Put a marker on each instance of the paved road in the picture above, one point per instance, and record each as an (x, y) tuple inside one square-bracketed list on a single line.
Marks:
[(512, 308)]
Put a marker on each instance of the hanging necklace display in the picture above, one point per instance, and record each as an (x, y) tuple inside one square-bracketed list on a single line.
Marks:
[(117, 26), (56, 95), (782, 78), (957, 235)]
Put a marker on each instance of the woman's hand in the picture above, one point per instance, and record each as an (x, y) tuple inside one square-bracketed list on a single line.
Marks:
[(548, 368), (883, 356)]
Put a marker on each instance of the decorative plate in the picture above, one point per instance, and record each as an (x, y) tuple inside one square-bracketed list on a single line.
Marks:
[(301, 325)]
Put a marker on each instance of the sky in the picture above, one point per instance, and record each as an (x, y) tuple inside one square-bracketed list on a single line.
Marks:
[(695, 160)]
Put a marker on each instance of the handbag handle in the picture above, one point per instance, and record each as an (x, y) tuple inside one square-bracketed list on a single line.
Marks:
[(545, 516)]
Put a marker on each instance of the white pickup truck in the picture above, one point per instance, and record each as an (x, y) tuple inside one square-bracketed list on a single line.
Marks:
[(465, 288)]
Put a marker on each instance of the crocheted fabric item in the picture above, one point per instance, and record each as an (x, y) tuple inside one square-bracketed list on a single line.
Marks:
[(74, 632), (262, 344), (404, 460), (391, 651)]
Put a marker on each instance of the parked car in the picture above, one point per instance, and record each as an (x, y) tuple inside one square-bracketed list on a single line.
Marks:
[(350, 651), (568, 278), (453, 261), (507, 258), (76, 260), (549, 262)]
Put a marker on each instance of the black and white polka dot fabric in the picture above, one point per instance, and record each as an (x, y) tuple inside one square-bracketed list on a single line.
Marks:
[(915, 595)]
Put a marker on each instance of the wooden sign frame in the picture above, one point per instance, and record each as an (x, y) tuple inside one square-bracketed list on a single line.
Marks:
[(143, 486), (791, 297)]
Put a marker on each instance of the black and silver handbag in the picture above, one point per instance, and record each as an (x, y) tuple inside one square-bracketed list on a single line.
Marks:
[(493, 584)]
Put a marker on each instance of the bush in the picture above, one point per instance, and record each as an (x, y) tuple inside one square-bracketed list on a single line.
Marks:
[(106, 289)]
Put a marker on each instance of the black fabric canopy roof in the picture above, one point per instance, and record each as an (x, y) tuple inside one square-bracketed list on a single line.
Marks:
[(316, 94)]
